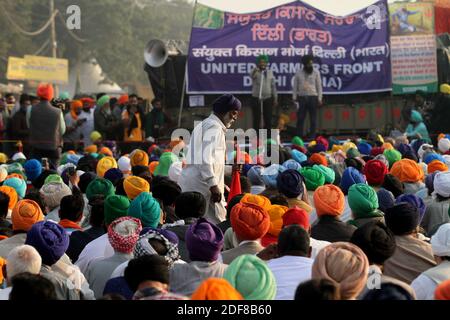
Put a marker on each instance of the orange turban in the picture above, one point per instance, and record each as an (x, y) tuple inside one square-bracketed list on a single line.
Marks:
[(442, 291), (45, 91), (139, 158), (329, 200), (387, 146), (257, 199), (152, 166), (123, 99), (436, 165), (13, 197), (25, 214), (106, 151), (105, 164), (249, 221), (14, 175), (216, 289), (318, 158), (3, 263), (77, 104), (134, 186), (407, 170), (276, 213), (91, 149)]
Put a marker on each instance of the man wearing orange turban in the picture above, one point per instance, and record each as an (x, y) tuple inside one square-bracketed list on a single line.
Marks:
[(410, 173), (329, 201), (25, 214), (318, 158), (216, 289), (134, 186), (13, 197), (276, 213), (250, 222), (47, 126), (73, 123), (139, 158), (437, 165)]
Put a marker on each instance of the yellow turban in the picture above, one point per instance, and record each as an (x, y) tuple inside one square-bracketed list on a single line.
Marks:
[(134, 186), (104, 165)]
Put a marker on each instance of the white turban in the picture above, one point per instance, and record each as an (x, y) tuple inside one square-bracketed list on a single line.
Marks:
[(442, 184), (18, 156), (124, 164), (440, 241), (175, 171), (444, 145)]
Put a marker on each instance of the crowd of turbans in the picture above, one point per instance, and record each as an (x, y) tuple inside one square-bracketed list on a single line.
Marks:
[(361, 219)]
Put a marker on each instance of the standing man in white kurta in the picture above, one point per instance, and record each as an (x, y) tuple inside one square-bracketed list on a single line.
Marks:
[(205, 158)]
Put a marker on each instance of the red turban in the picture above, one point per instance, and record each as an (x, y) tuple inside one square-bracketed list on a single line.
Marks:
[(322, 140), (249, 221), (45, 91), (376, 151), (298, 216), (375, 170), (123, 99), (442, 291)]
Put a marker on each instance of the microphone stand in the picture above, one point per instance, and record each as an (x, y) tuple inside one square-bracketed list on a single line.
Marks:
[(261, 120)]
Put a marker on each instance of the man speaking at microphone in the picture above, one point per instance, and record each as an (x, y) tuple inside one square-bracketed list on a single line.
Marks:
[(264, 94)]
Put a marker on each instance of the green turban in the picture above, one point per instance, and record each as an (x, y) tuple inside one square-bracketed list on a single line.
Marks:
[(145, 208), (328, 173), (14, 167), (115, 207), (251, 276), (353, 153), (392, 156), (363, 201), (165, 161), (53, 178), (262, 57), (298, 141), (99, 186), (64, 95), (313, 178), (104, 99)]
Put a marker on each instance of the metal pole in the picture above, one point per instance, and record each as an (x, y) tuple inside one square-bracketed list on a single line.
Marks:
[(261, 120), (53, 37), (182, 96)]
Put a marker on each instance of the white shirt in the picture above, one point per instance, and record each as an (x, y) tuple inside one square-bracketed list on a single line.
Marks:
[(98, 248), (289, 272), (316, 246), (206, 165), (424, 287), (87, 127), (4, 293)]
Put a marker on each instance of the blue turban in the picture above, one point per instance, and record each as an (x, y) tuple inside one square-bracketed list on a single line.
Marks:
[(17, 184), (289, 183), (73, 158), (292, 164), (246, 167), (255, 175), (350, 177), (270, 174), (415, 201), (226, 103), (49, 239), (429, 181), (33, 169), (386, 199), (113, 175), (364, 148), (318, 148), (298, 156), (433, 156)]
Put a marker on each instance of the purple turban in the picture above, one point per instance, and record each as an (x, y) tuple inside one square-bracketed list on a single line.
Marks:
[(204, 241), (415, 201), (226, 103), (49, 239)]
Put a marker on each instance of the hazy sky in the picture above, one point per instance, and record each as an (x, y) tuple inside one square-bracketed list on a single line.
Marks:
[(335, 7)]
